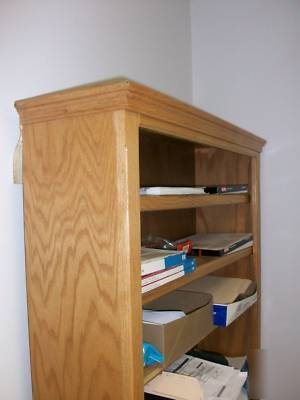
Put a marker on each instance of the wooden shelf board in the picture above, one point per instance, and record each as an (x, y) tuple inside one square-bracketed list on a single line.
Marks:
[(152, 372), (156, 203), (206, 265)]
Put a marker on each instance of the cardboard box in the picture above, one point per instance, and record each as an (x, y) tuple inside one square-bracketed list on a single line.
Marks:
[(231, 296), (224, 290), (177, 337), (224, 314)]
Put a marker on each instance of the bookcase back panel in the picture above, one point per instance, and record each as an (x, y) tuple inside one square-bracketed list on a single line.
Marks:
[(225, 218), (165, 161), (171, 224), (234, 340), (220, 167)]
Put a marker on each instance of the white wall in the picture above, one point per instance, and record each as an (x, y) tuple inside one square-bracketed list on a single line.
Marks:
[(50, 45), (246, 66)]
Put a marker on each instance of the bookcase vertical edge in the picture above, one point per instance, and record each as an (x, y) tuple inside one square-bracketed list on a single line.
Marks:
[(81, 210)]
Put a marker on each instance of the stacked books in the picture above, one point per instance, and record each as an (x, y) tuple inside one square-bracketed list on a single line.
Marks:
[(159, 267), (219, 244)]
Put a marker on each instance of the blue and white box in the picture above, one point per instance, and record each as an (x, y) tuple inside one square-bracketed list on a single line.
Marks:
[(225, 314)]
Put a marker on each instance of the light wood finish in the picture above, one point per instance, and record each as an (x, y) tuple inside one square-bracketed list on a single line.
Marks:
[(165, 161), (214, 167), (193, 135), (219, 167), (125, 94), (151, 372), (86, 152), (255, 313), (169, 224), (236, 334), (155, 203), (205, 266), (82, 252)]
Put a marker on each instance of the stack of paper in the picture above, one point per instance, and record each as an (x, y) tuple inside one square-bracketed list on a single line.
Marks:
[(217, 381), (169, 190), (198, 379), (161, 317)]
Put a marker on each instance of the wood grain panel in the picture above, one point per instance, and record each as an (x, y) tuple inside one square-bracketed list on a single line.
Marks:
[(214, 166), (220, 167), (81, 209), (170, 224), (124, 94), (197, 136), (151, 372), (165, 161), (152, 203), (232, 341), (229, 218), (255, 312), (83, 227)]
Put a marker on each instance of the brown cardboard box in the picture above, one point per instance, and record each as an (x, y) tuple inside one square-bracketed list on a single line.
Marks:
[(177, 337), (231, 296), (224, 290)]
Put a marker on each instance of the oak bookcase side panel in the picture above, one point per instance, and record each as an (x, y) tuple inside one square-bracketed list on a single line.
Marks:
[(82, 257)]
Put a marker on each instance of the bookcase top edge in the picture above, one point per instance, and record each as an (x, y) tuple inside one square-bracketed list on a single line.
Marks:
[(123, 93)]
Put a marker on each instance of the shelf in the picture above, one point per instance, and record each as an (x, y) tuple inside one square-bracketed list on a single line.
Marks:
[(156, 203), (152, 372), (206, 265)]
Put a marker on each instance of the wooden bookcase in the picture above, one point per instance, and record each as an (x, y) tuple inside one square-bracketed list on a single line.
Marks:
[(86, 152)]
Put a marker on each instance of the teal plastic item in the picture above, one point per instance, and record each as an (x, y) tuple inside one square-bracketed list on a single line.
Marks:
[(151, 355)]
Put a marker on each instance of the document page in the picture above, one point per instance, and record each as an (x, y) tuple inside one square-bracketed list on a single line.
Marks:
[(161, 317), (218, 382)]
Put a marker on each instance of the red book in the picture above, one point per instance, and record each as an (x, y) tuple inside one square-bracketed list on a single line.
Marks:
[(163, 281), (163, 273)]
